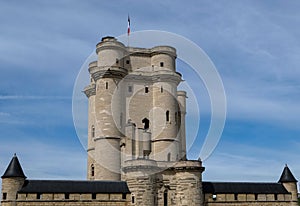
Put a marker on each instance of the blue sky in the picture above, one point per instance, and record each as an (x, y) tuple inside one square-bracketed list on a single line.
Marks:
[(254, 45)]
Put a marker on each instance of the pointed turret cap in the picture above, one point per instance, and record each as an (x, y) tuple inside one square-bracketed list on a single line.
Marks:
[(14, 169), (287, 175)]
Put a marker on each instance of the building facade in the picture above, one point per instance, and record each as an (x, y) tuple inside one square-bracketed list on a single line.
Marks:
[(137, 143)]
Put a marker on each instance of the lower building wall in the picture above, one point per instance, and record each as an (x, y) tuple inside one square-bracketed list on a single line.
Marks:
[(65, 203), (262, 203), (248, 200)]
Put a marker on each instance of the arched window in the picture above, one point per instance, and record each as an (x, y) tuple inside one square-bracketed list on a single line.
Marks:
[(92, 170), (167, 115), (146, 123), (169, 156), (93, 131)]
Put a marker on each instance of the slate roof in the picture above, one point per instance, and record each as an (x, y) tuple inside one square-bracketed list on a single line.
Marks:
[(243, 188), (287, 175), (14, 169), (71, 186)]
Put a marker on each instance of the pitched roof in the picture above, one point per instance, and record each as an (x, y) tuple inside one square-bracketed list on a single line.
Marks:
[(14, 169), (287, 175), (243, 188), (71, 186)]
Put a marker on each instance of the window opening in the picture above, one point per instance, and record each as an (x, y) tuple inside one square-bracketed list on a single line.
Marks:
[(146, 123), (93, 131), (38, 196), (4, 196), (92, 170), (167, 115), (129, 88), (123, 196), (94, 196), (67, 196), (166, 198)]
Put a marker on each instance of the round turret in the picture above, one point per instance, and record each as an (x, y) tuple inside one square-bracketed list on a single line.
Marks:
[(163, 56), (12, 180)]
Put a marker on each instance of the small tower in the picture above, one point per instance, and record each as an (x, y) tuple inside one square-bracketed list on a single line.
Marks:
[(288, 180), (12, 180), (104, 135)]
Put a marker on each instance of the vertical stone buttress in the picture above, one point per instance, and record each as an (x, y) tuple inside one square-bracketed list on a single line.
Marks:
[(181, 96), (105, 134)]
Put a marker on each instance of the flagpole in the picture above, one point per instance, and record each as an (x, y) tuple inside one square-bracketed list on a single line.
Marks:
[(128, 31)]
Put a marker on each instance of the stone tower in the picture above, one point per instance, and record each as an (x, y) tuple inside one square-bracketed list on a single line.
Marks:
[(137, 125), (135, 110), (290, 183), (12, 181)]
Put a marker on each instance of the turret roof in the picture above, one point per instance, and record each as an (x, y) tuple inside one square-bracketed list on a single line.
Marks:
[(14, 169), (287, 175)]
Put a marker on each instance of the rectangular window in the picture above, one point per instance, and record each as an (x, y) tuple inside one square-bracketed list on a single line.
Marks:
[(39, 196), (132, 199), (161, 89), (275, 197), (4, 196), (235, 196), (106, 85), (146, 89), (127, 61), (123, 196), (161, 64), (165, 198), (255, 196), (67, 196), (94, 196), (129, 88)]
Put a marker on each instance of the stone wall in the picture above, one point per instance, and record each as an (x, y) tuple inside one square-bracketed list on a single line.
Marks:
[(248, 200), (32, 199)]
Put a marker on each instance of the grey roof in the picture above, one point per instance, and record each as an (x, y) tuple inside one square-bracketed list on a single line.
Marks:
[(74, 186), (287, 175), (14, 169), (243, 188)]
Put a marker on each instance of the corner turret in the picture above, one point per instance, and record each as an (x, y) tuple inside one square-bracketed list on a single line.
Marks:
[(288, 180), (12, 180)]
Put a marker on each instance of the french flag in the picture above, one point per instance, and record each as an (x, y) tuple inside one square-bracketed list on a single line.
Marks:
[(128, 28)]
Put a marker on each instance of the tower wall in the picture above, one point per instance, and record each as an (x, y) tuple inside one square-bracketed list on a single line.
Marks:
[(11, 186), (165, 132), (165, 55), (189, 183), (292, 188)]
